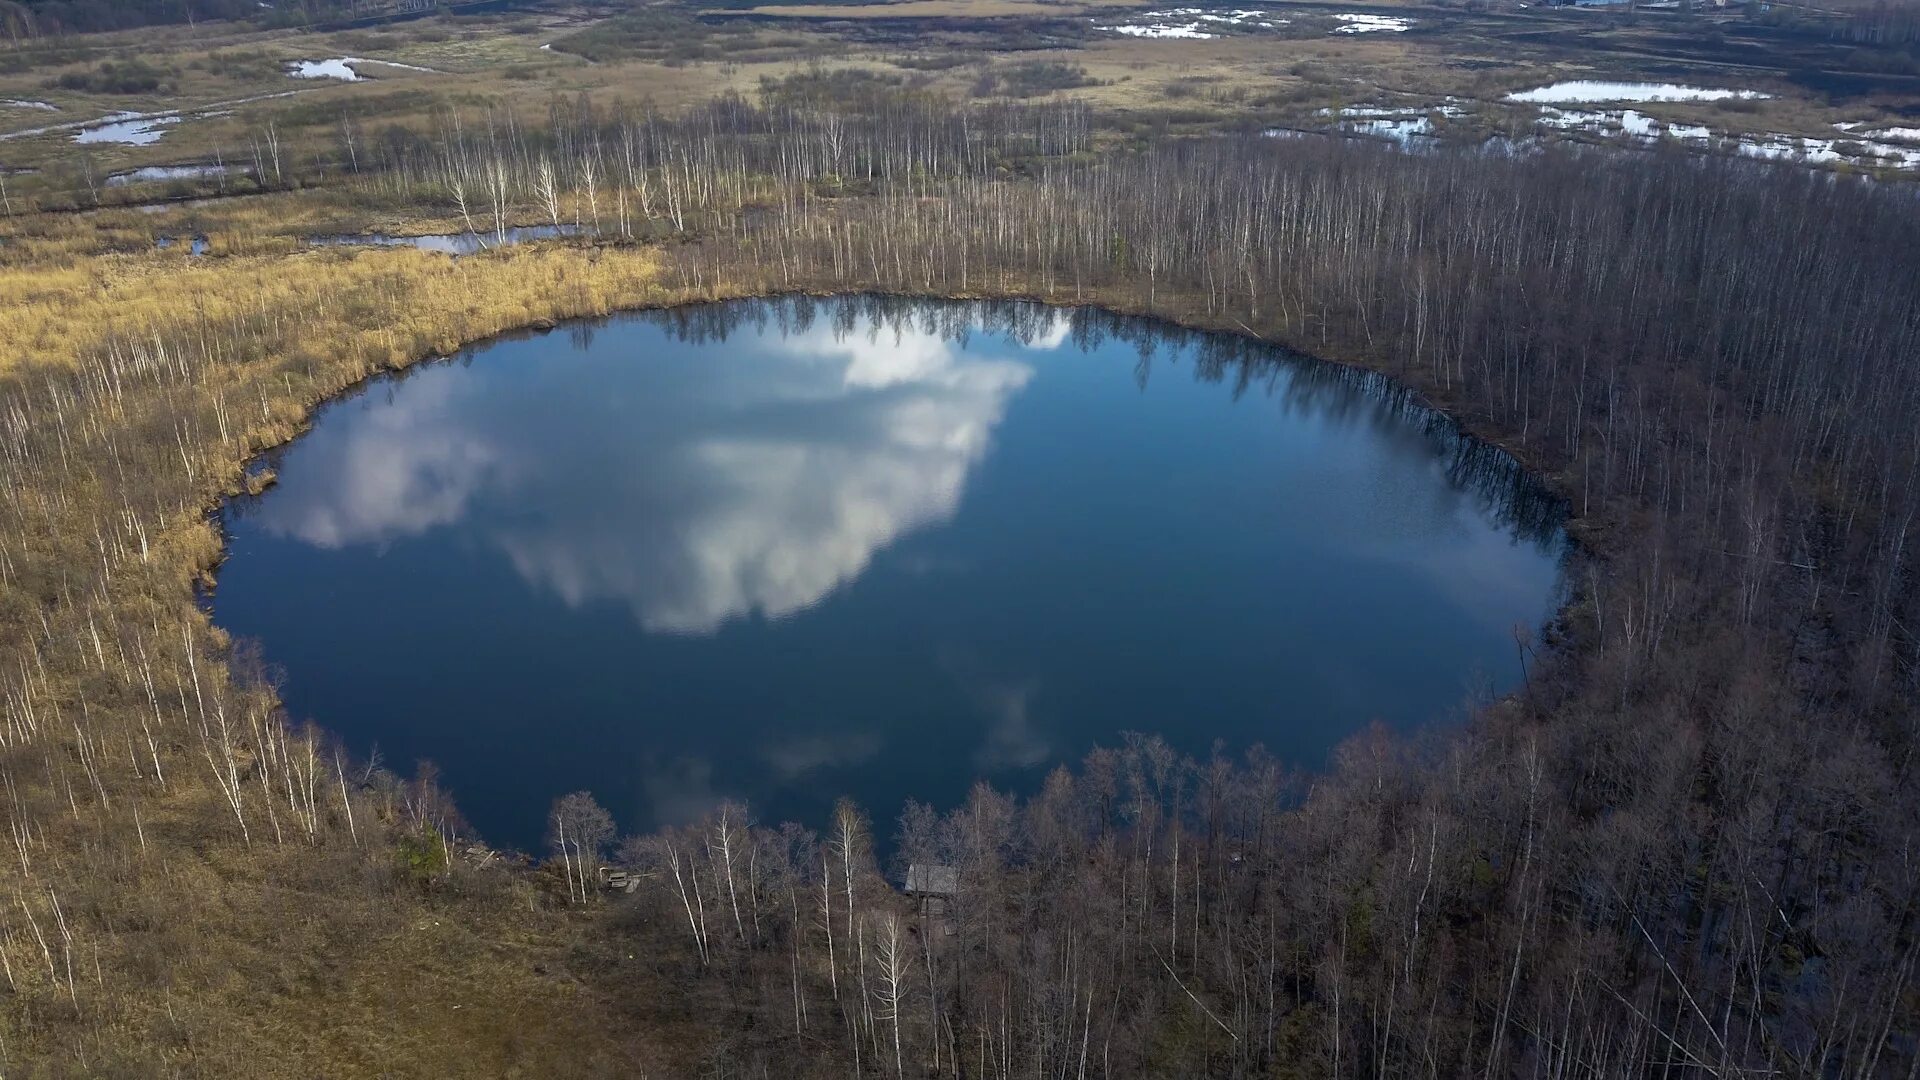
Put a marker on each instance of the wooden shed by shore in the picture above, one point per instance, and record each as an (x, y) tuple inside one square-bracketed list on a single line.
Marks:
[(935, 886)]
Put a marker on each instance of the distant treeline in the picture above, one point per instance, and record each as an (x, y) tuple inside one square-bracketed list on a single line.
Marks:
[(24, 19), (39, 18)]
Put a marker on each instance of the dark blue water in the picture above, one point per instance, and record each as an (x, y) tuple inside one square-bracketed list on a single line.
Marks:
[(787, 551)]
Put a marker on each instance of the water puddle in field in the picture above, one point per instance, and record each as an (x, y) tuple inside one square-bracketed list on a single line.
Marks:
[(450, 243), (1404, 126), (155, 174), (128, 129), (140, 129)]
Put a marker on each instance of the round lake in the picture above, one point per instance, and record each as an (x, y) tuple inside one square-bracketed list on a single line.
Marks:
[(789, 550)]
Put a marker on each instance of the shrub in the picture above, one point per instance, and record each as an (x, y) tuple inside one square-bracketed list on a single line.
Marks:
[(134, 76)]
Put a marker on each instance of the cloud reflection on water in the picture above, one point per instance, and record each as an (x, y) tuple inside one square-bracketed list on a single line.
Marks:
[(1233, 542), (759, 492)]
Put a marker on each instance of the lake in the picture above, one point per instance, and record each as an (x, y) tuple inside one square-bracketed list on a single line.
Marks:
[(789, 550)]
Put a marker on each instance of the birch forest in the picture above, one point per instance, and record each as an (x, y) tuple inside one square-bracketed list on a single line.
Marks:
[(1686, 846)]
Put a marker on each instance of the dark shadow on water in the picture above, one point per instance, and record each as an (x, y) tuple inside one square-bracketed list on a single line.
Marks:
[(598, 560)]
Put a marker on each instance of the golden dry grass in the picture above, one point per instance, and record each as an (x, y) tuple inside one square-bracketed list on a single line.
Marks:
[(1278, 78), (199, 951)]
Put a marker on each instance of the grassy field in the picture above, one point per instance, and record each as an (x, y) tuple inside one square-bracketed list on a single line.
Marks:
[(233, 86), (233, 956)]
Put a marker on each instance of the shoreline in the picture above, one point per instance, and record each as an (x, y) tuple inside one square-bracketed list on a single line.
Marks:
[(1577, 554)]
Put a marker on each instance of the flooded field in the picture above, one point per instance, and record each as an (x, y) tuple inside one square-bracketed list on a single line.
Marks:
[(128, 129), (1207, 23), (1196, 23), (1627, 115), (153, 174), (451, 243), (1590, 91)]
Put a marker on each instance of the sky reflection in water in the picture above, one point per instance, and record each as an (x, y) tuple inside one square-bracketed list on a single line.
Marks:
[(786, 551)]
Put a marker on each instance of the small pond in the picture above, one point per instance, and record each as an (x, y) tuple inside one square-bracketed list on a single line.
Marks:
[(466, 243), (160, 174), (791, 550), (127, 129)]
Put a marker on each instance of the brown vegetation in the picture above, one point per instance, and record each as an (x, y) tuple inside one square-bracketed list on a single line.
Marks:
[(1684, 847)]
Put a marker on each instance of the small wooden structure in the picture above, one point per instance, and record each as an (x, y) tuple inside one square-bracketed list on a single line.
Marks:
[(614, 879), (934, 886)]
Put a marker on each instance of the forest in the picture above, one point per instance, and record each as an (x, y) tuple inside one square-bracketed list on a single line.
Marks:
[(1684, 846), (46, 18)]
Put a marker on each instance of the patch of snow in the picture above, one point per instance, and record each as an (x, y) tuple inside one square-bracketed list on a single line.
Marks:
[(1383, 112), (1184, 30), (1638, 125), (337, 68), (1897, 134), (394, 64), (1827, 151), (1402, 130), (1413, 129), (1352, 23), (20, 103), (344, 68), (1886, 156), (1195, 23), (1588, 91), (1789, 148)]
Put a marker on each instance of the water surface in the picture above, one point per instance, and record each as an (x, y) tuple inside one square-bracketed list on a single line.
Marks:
[(786, 551), (165, 173), (127, 129), (1590, 91), (466, 243)]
